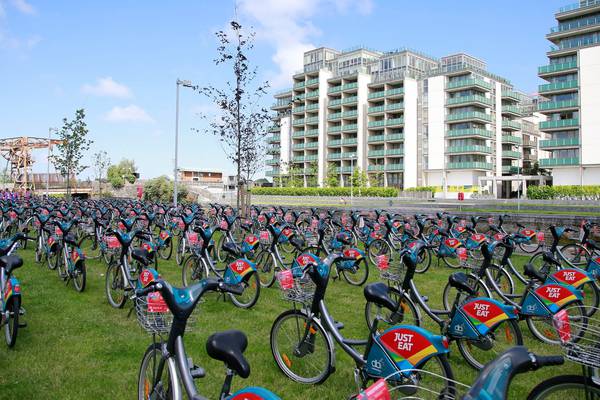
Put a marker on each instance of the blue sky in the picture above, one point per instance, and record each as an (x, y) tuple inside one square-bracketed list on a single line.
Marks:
[(119, 59)]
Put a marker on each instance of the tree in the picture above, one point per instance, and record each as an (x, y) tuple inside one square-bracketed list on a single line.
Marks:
[(70, 150), (241, 125), (124, 171), (376, 179), (161, 189), (101, 162), (359, 178), (333, 178), (312, 175)]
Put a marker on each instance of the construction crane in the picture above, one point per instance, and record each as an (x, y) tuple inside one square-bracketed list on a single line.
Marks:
[(17, 152)]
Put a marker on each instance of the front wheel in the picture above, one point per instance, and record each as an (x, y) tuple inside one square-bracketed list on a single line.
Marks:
[(576, 255), (78, 276), (53, 258), (266, 265), (358, 273), (249, 296), (156, 380), (432, 380), (12, 321), (378, 247), (407, 313), (191, 270), (566, 387), (179, 253), (90, 247), (543, 328), (115, 286), (480, 351), (166, 250), (301, 348), (450, 293)]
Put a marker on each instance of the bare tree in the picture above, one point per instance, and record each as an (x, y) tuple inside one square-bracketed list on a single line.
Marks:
[(101, 163), (241, 124)]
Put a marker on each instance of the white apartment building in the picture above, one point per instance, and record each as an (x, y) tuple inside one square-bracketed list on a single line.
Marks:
[(405, 118), (571, 98)]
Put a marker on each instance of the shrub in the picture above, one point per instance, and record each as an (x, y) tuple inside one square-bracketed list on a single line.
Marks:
[(161, 189), (431, 189), (553, 192), (333, 191)]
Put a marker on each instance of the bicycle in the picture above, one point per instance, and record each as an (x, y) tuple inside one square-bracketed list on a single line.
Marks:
[(71, 266), (10, 294), (165, 364)]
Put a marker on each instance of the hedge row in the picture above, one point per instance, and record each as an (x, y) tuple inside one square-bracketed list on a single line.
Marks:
[(336, 191), (431, 189), (553, 192)]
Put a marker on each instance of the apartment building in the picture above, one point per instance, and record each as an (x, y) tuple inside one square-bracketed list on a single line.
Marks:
[(571, 96), (405, 118)]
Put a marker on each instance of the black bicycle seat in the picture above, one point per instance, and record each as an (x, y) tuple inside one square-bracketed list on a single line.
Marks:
[(229, 347), (232, 248), (549, 258), (10, 263), (70, 239), (460, 281), (378, 293), (142, 256), (532, 273)]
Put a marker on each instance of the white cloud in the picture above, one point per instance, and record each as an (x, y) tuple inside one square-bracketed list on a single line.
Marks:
[(107, 87), (286, 25), (23, 6), (130, 113)]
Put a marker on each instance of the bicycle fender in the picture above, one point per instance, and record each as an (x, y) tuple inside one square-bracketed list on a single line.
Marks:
[(13, 289), (552, 296), (237, 270), (253, 393), (478, 316), (570, 276)]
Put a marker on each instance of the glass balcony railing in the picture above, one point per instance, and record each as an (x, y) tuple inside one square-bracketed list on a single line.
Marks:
[(334, 156), (511, 110), (469, 149), (511, 154), (376, 138), (375, 124), (311, 82), (557, 162), (333, 129), (273, 172), (349, 141), (376, 95), (345, 169), (394, 121), (469, 99), (386, 93), (509, 124), (311, 145), (311, 133), (349, 127), (311, 157), (376, 153), (394, 152), (350, 100), (394, 107), (298, 158), (557, 105), (510, 169), (297, 134), (558, 86), (351, 113), (312, 120), (376, 109), (299, 121), (393, 137), (299, 85), (333, 116), (394, 167), (511, 94), (561, 123), (578, 5), (340, 88), (549, 69), (470, 165), (569, 142), (512, 139), (470, 132), (274, 128), (334, 142), (375, 168), (469, 115), (464, 83), (298, 146), (274, 138), (272, 161), (314, 93), (314, 106), (335, 102)]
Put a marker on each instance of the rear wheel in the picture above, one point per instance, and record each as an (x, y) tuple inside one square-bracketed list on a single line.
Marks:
[(432, 380), (155, 368), (423, 260), (266, 266), (79, 275), (179, 254), (191, 271), (576, 255), (406, 314), (376, 248), (358, 273), (543, 328), (566, 387), (450, 292), (452, 260), (166, 250), (90, 247), (115, 286), (53, 257), (249, 296), (12, 321)]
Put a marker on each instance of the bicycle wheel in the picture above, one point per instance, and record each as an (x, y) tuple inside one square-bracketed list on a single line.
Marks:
[(156, 380), (432, 380), (502, 279), (192, 270), (482, 350), (543, 328), (179, 253), (90, 247), (267, 267), (576, 255), (378, 247), (166, 250), (452, 260), (591, 297), (219, 253), (115, 286), (12, 321), (407, 313), (40, 252), (52, 258), (79, 275), (423, 260), (529, 247), (565, 387), (249, 297), (358, 273), (450, 292), (303, 352)]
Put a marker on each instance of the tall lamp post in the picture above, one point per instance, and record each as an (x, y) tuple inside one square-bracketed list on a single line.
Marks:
[(48, 166), (184, 83)]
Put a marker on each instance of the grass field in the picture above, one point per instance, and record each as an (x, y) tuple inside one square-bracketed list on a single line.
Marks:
[(76, 346)]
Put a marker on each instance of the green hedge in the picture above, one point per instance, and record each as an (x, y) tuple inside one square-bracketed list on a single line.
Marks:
[(553, 192), (431, 189), (336, 191)]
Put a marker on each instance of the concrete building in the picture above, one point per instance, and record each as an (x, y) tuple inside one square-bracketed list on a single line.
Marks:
[(571, 98), (405, 118), (200, 177)]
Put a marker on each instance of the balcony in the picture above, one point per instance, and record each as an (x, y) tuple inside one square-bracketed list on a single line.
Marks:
[(349, 127), (334, 116), (394, 137), (511, 125), (311, 145), (312, 120), (376, 138), (376, 95), (274, 138), (473, 99), (394, 122), (314, 93), (467, 83), (558, 105), (376, 124), (273, 172), (472, 132), (512, 95), (394, 107), (559, 162), (312, 82), (350, 114), (348, 155), (350, 100), (299, 85), (298, 146), (272, 161), (344, 170), (511, 154), (469, 149), (376, 153), (349, 141), (510, 169), (298, 159), (557, 143), (334, 129), (311, 157), (559, 124), (375, 168), (341, 88), (394, 152), (376, 110), (335, 102), (274, 129), (298, 134), (313, 106), (512, 110), (298, 110), (274, 150), (334, 143), (394, 167), (334, 156), (394, 92), (557, 87), (511, 139), (470, 165), (311, 133), (470, 115), (551, 69), (298, 121)]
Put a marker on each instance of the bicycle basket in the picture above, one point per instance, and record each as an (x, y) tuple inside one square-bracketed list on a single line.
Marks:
[(265, 237), (153, 314), (295, 288), (393, 272), (579, 336)]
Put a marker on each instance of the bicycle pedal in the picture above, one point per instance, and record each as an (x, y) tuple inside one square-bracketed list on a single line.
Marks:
[(22, 324), (22, 311), (197, 372)]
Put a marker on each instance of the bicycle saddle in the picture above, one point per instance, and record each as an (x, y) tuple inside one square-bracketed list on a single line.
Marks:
[(10, 263), (378, 293), (548, 257), (344, 238), (229, 347), (70, 239), (460, 281), (142, 256), (532, 273), (232, 248)]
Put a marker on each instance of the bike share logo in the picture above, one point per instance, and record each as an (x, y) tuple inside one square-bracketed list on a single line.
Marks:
[(404, 341), (377, 365), (459, 329)]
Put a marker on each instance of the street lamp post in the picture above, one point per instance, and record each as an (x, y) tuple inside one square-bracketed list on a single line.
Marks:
[(48, 165), (184, 83)]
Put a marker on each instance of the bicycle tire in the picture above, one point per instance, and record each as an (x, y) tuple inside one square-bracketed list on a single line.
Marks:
[(11, 327), (359, 273), (191, 270), (267, 268), (449, 293), (90, 247), (546, 390), (251, 283), (378, 247), (79, 280), (549, 334), (410, 314), (166, 251), (152, 354), (575, 255), (115, 282)]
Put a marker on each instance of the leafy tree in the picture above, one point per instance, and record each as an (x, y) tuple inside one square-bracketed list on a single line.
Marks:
[(161, 189), (333, 178), (376, 179), (101, 163), (312, 175), (70, 150), (124, 171), (294, 177), (359, 178), (241, 124)]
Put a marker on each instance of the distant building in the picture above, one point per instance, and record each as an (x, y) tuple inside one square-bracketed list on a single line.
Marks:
[(201, 177)]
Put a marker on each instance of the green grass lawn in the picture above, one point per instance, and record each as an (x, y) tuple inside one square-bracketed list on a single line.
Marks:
[(76, 346)]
